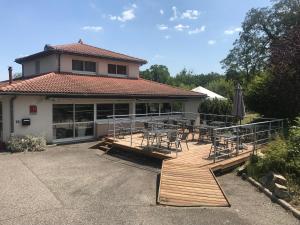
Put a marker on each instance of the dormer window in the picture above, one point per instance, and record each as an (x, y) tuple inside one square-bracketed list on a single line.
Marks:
[(37, 67), (117, 69), (79, 65)]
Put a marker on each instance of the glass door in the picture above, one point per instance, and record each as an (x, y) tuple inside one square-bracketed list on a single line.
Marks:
[(73, 121), (84, 120)]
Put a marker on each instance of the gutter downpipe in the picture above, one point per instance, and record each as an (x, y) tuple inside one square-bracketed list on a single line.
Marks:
[(11, 104)]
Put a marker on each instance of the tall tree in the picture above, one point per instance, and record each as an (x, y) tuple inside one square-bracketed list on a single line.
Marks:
[(260, 28), (158, 73)]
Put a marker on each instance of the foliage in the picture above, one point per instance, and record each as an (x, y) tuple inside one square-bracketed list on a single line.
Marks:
[(261, 27), (222, 87), (280, 156), (216, 106), (184, 79), (158, 73), (26, 143), (275, 93)]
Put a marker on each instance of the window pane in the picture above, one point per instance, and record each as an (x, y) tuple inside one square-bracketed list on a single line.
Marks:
[(104, 110), (90, 66), (77, 65), (84, 129), (63, 131), (177, 107), (165, 108), (37, 67), (112, 69), (121, 70), (84, 112), (140, 108), (153, 108), (62, 113), (122, 109)]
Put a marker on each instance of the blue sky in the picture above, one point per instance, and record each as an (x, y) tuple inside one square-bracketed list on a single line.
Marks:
[(195, 34)]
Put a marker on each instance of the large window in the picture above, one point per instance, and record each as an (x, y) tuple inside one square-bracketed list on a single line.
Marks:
[(140, 109), (122, 109), (165, 108), (117, 69), (37, 67), (177, 107), (73, 121), (104, 110), (153, 108), (79, 65)]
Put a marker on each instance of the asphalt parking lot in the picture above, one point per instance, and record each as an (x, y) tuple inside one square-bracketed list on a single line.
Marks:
[(74, 184)]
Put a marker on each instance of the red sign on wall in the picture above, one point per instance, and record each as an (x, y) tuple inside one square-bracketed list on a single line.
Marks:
[(32, 109)]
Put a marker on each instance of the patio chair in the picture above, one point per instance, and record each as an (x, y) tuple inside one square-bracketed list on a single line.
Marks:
[(183, 137), (172, 138), (191, 131), (148, 135), (219, 146)]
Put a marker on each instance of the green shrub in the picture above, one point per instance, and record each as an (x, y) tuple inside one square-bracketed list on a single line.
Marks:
[(216, 106), (26, 143)]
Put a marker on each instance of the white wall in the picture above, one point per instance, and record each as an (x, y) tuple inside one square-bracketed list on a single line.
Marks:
[(47, 64), (101, 65), (192, 107)]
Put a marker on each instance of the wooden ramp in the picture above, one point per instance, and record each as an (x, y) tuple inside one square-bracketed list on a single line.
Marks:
[(188, 179), (189, 185)]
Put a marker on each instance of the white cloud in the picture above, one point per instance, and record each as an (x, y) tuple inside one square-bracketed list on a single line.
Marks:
[(211, 42), (174, 17), (161, 12), (167, 37), (191, 14), (232, 31), (92, 28), (162, 27), (197, 30), (181, 27), (126, 15)]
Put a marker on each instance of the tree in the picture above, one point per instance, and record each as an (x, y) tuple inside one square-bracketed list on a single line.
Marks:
[(276, 92), (158, 73), (261, 27), (222, 87)]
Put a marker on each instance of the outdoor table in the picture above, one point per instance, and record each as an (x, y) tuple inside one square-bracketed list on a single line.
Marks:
[(217, 123)]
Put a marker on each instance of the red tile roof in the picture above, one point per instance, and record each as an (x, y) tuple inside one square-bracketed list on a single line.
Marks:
[(64, 84), (84, 50)]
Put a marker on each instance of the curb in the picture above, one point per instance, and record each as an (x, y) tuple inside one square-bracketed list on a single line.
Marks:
[(281, 202)]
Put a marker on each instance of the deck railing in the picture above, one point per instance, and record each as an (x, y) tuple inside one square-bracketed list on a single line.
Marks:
[(232, 140), (227, 139)]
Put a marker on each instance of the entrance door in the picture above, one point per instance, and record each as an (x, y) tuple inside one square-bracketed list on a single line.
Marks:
[(73, 121)]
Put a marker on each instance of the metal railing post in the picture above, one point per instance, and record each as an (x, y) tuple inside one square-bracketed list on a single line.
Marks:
[(131, 130), (114, 128), (215, 144), (237, 141), (269, 132), (254, 141)]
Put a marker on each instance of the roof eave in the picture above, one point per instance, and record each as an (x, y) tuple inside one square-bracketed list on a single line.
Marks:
[(79, 95), (57, 51)]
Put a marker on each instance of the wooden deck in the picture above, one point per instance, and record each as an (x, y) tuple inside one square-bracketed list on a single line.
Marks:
[(188, 179)]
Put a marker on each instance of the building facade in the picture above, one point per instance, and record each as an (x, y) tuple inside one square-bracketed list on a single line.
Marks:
[(68, 92)]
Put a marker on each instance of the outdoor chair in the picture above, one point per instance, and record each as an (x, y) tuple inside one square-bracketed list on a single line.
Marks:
[(172, 138), (191, 131), (183, 137), (220, 147), (149, 136)]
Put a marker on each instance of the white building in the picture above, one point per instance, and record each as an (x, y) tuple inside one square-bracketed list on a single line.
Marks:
[(66, 93)]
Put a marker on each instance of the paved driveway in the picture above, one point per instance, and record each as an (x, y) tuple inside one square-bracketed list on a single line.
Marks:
[(74, 184)]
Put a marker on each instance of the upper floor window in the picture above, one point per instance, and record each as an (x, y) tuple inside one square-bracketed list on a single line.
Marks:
[(79, 65), (37, 67), (117, 69)]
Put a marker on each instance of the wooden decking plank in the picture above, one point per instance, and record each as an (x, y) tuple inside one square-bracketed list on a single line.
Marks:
[(187, 180)]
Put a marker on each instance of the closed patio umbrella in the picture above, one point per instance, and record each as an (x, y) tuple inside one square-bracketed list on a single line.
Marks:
[(238, 103)]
